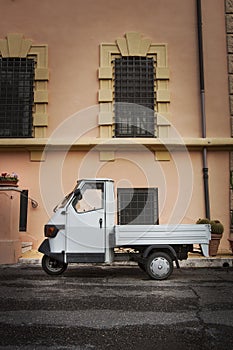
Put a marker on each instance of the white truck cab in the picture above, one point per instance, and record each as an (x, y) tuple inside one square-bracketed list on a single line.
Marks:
[(83, 230)]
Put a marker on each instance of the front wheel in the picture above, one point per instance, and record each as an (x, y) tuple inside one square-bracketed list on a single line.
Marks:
[(159, 266), (53, 267)]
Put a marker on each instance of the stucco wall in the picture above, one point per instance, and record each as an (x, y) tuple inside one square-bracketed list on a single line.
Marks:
[(179, 181), (74, 30)]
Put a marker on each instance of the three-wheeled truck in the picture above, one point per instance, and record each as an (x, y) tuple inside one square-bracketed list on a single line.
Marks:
[(83, 230)]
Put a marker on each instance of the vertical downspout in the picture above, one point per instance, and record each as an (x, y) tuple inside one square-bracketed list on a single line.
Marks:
[(203, 115)]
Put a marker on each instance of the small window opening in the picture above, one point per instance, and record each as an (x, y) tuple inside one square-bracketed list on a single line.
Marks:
[(16, 97), (138, 206), (134, 97)]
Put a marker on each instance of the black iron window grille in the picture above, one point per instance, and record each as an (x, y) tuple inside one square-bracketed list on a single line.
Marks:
[(134, 97), (16, 97), (137, 206)]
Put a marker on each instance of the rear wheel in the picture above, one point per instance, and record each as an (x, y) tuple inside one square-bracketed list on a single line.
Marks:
[(159, 266), (52, 266)]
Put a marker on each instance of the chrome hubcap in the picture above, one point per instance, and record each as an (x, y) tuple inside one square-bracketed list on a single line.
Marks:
[(160, 267)]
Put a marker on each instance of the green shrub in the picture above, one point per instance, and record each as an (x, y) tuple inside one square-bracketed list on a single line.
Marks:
[(216, 226), (203, 221)]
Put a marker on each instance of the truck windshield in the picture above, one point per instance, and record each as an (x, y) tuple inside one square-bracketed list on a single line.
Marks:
[(63, 203)]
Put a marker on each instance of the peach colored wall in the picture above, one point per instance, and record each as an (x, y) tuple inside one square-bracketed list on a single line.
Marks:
[(10, 244), (180, 184), (28, 179), (73, 30), (219, 181)]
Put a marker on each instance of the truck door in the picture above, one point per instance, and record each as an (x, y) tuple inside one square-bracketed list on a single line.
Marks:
[(85, 241)]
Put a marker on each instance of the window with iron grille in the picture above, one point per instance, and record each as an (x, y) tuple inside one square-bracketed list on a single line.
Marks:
[(137, 206), (134, 96), (16, 97)]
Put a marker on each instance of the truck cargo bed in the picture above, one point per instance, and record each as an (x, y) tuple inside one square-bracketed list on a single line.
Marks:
[(133, 235)]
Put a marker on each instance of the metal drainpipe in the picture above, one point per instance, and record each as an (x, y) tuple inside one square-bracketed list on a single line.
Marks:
[(203, 115)]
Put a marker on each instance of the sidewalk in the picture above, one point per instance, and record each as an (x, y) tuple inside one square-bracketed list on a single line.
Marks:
[(194, 260)]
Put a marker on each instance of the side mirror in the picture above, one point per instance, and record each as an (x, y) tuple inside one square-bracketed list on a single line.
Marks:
[(78, 194)]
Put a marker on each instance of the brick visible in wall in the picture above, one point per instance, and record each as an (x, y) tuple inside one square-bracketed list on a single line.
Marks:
[(229, 23), (230, 43), (231, 160), (229, 38), (231, 104), (229, 30), (229, 6), (232, 128), (230, 63), (230, 83)]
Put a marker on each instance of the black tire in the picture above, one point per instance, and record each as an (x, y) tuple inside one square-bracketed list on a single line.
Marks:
[(159, 266), (52, 266)]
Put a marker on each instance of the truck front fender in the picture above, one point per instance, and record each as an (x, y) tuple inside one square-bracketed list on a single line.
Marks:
[(162, 247), (45, 249)]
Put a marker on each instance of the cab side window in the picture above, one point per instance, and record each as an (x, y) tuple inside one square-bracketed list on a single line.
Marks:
[(92, 198)]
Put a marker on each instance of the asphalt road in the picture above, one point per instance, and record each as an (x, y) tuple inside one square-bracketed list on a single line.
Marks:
[(94, 307)]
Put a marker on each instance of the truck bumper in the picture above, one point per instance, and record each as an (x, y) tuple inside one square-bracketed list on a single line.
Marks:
[(45, 249)]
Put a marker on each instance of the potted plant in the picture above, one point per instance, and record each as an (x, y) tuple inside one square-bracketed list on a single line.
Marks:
[(9, 180), (216, 234)]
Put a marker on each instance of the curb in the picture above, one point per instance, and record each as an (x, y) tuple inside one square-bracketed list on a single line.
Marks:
[(29, 261), (207, 262)]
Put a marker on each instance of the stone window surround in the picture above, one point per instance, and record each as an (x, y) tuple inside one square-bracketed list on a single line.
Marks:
[(133, 44), (16, 46)]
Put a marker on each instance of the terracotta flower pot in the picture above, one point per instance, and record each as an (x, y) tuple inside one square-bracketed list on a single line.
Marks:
[(214, 244), (217, 229)]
